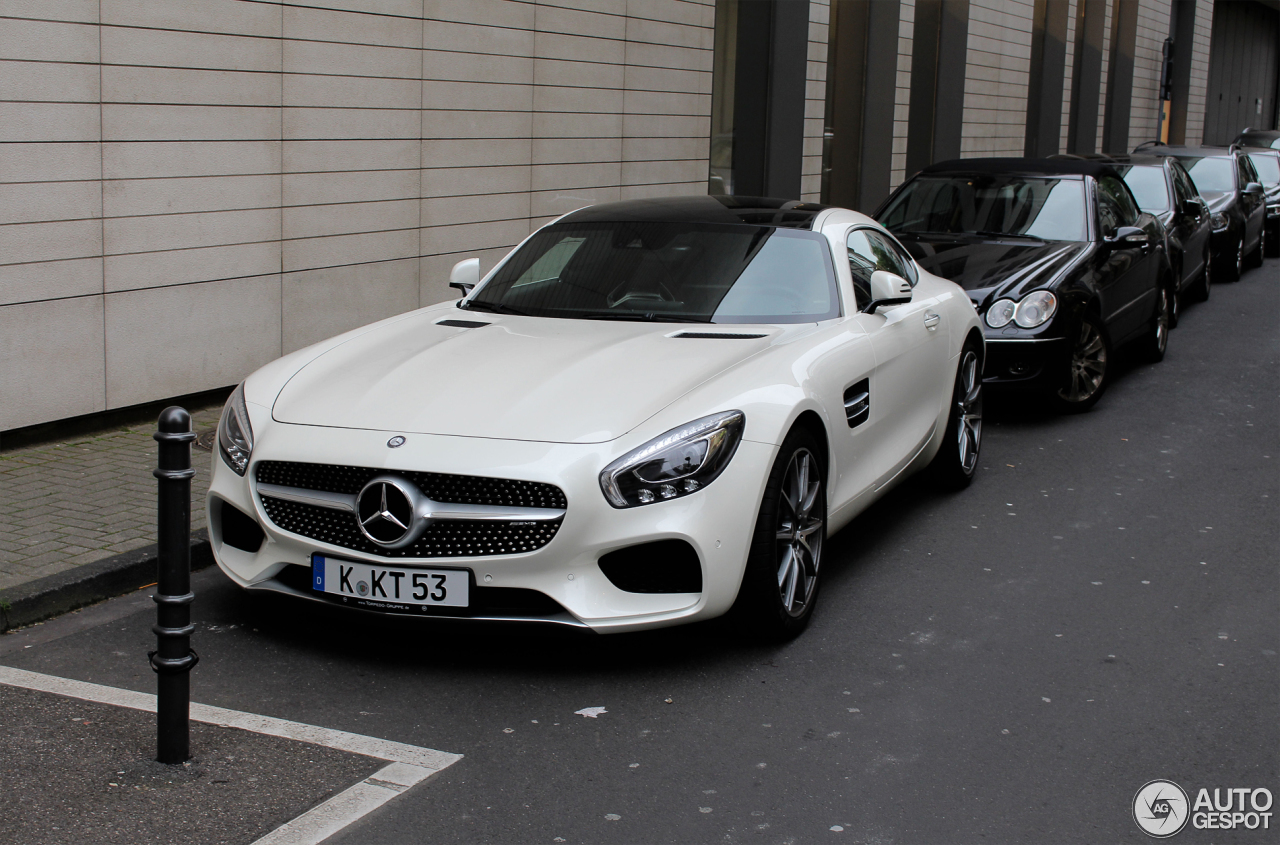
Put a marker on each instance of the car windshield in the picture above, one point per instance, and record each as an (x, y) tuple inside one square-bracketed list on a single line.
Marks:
[(667, 272), (1148, 186), (1268, 167), (1211, 174), (1047, 208)]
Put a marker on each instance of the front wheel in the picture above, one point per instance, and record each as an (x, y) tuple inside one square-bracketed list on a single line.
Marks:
[(780, 584), (1157, 340), (957, 460), (1088, 370), (1255, 257), (1273, 239)]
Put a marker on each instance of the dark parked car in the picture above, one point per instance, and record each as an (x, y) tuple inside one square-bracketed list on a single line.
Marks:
[(1056, 257), (1259, 138), (1267, 163), (1228, 183), (1161, 186)]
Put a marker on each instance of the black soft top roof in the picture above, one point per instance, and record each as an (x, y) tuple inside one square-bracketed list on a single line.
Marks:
[(1036, 166), (752, 211)]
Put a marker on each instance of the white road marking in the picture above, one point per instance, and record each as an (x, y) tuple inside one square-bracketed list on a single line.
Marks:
[(409, 764)]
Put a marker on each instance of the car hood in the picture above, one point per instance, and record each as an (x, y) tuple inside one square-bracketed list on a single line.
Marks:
[(514, 378), (1218, 201), (991, 270)]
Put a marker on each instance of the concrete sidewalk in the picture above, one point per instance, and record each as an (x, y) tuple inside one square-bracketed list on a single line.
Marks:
[(70, 504)]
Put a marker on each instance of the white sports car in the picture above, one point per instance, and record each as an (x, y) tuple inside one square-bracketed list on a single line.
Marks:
[(649, 413)]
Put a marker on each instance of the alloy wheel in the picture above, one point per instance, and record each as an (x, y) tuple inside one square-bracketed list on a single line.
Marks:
[(1162, 322), (1088, 364), (1240, 258), (969, 412), (800, 533)]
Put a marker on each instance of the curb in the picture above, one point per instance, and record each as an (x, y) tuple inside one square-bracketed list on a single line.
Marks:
[(62, 592)]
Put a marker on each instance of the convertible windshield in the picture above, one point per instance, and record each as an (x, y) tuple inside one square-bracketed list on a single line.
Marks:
[(1211, 174), (991, 204), (667, 272)]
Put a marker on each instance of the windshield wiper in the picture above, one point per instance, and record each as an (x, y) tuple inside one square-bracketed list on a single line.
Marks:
[(1007, 235), (494, 308), (640, 317)]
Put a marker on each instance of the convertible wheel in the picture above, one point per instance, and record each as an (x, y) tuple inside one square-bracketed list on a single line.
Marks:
[(1157, 340), (1203, 287), (1087, 374), (781, 581), (957, 460)]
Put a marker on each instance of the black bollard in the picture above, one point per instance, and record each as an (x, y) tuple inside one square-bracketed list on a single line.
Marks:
[(173, 658)]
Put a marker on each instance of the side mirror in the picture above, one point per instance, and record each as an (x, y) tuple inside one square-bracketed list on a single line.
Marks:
[(888, 289), (1253, 188), (465, 275), (1126, 236), (1193, 207)]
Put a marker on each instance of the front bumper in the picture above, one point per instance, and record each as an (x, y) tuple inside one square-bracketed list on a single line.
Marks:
[(717, 522), (1024, 361)]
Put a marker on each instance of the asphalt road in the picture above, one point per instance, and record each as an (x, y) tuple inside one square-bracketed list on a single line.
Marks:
[(1007, 664)]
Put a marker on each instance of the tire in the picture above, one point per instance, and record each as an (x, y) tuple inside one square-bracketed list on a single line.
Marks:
[(957, 461), (1255, 257), (1156, 341), (1175, 302), (1232, 269), (1204, 286), (1088, 370), (1273, 240), (782, 578)]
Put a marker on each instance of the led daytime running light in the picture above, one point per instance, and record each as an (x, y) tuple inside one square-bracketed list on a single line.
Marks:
[(624, 486)]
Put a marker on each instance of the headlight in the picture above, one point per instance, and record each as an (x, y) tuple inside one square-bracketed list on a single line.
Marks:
[(1218, 222), (680, 462), (1035, 308), (235, 435), (1000, 313)]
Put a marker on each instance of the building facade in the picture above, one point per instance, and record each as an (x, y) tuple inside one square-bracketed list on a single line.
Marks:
[(191, 188)]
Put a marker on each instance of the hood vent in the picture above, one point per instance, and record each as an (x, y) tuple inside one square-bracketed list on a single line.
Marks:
[(461, 324), (722, 335)]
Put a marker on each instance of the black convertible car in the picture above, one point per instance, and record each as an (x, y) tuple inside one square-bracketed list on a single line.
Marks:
[(1057, 258)]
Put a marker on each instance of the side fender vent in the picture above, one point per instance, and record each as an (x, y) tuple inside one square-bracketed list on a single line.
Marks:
[(721, 335), (857, 403)]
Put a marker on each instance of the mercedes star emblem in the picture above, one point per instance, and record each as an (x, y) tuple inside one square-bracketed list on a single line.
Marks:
[(384, 511), (395, 442)]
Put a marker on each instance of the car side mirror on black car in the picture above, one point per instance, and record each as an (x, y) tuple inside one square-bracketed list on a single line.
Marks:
[(1126, 236), (1253, 188), (888, 289)]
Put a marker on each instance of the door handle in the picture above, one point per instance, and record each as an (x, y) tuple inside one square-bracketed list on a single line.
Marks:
[(931, 320)]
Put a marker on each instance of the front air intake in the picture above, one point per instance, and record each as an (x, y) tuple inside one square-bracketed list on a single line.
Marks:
[(664, 566)]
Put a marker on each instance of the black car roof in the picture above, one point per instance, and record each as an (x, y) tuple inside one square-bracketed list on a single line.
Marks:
[(1037, 166), (752, 211), (1134, 160), (1181, 151)]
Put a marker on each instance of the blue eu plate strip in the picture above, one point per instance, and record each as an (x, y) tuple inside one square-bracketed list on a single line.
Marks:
[(317, 572)]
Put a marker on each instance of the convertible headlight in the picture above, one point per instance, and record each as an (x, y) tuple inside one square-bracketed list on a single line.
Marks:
[(1218, 222), (235, 435), (1000, 313), (680, 462), (1035, 308)]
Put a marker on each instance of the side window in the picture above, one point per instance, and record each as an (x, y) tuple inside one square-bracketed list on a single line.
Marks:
[(1247, 173), (1115, 206), (1186, 190), (869, 251)]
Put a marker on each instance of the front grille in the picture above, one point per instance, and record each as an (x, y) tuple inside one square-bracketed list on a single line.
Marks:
[(454, 538), (454, 489)]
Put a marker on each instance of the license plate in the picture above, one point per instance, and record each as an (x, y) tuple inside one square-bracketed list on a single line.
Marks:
[(389, 587)]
